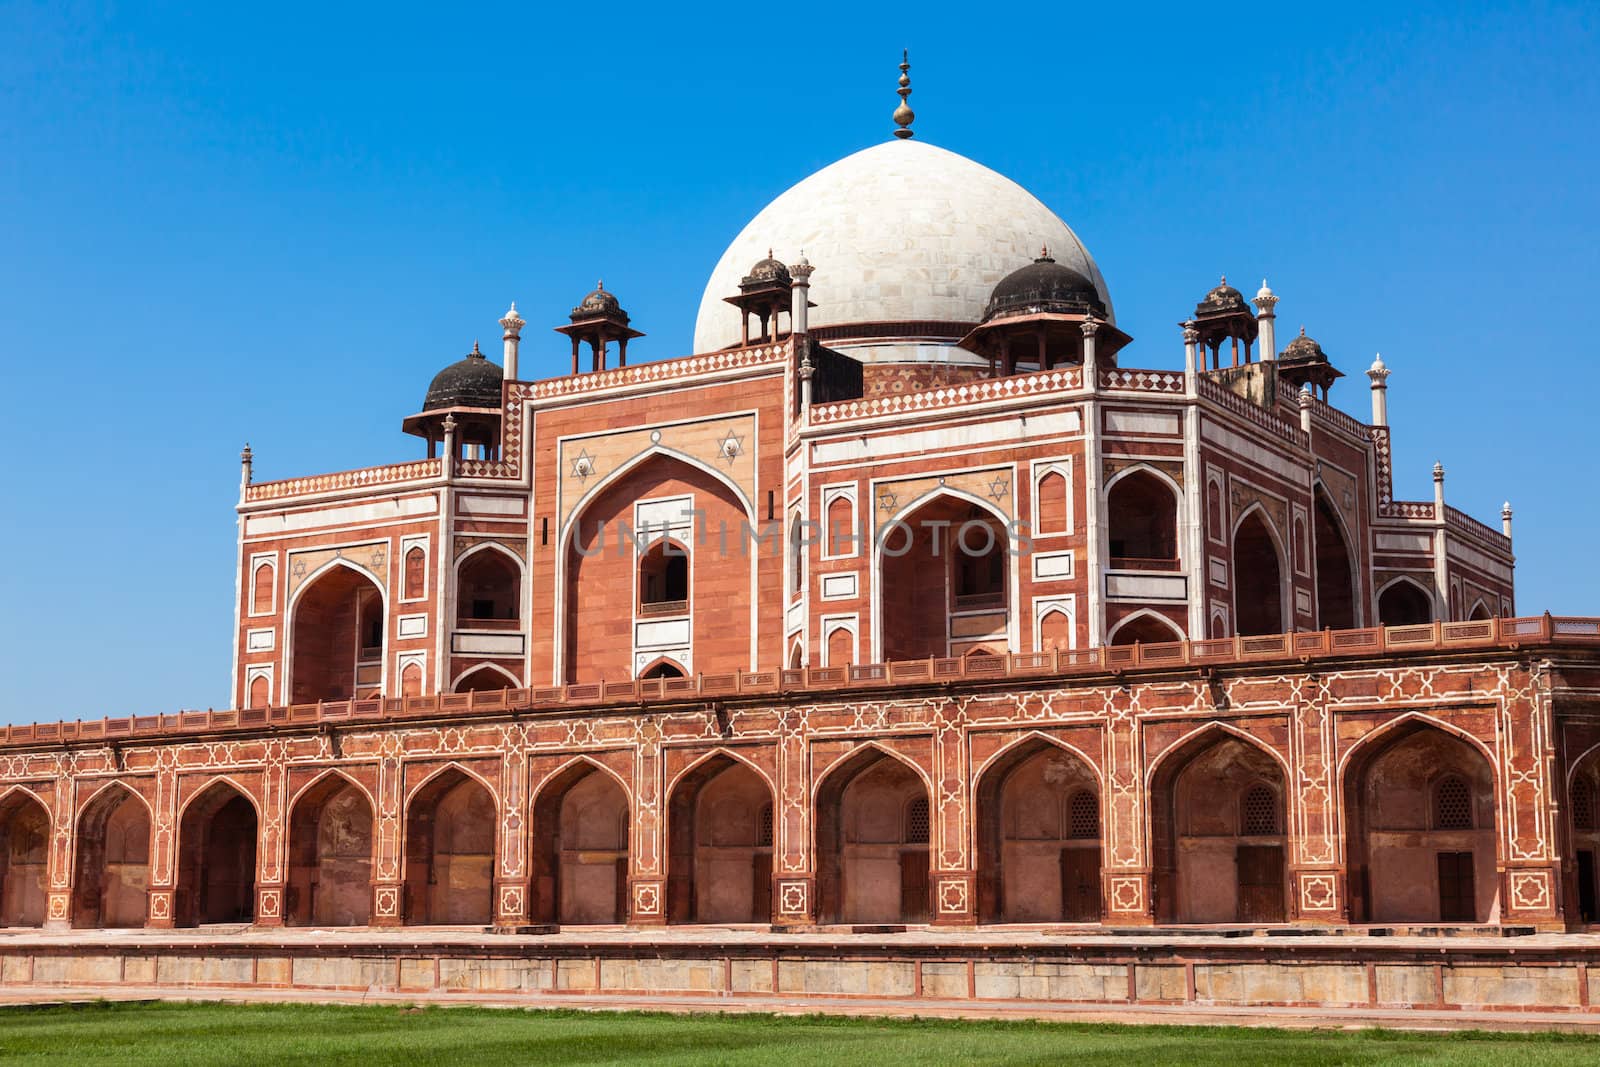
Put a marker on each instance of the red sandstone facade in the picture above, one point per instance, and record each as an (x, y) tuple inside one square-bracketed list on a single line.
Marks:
[(793, 632)]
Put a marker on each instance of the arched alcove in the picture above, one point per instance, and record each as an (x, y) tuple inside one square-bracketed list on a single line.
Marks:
[(488, 590), (1404, 603), (24, 860), (872, 827), (580, 847), (1336, 601), (1142, 521), (945, 585), (112, 879), (720, 828), (1420, 820), (216, 858), (337, 638), (1038, 831), (1258, 594), (330, 856), (1217, 830), (450, 835)]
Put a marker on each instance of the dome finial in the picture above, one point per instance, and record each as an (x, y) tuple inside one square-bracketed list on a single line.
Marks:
[(903, 115)]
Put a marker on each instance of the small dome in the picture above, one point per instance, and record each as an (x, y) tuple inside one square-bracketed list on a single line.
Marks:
[(1045, 285), (598, 303), (1221, 300), (1304, 350), (766, 272), (473, 382)]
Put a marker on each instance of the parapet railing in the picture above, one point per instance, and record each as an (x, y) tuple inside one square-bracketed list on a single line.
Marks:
[(1508, 634), (417, 470)]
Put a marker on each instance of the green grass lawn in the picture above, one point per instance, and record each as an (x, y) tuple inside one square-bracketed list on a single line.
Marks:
[(177, 1035)]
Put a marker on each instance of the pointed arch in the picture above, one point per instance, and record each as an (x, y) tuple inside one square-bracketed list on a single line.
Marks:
[(1251, 586), (1403, 863), (451, 831), (1031, 865), (729, 753), (503, 604), (919, 606), (485, 668), (1479, 612), (1406, 598), (1207, 863), (331, 772), (569, 524), (110, 786), (872, 838), (1027, 740), (111, 853), (719, 832), (218, 829), (26, 829), (295, 686), (1338, 583), (331, 849), (1140, 621), (581, 849), (1143, 531), (453, 765)]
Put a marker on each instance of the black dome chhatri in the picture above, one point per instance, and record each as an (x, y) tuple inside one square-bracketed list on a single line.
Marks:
[(766, 272), (473, 382), (1303, 350), (1221, 300), (599, 304), (1044, 285)]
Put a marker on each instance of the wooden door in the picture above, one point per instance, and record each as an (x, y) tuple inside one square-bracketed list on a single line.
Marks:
[(1586, 886), (1260, 883), (1457, 899), (761, 888), (1080, 885), (914, 886)]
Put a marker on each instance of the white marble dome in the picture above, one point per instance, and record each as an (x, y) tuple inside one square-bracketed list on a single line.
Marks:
[(903, 231)]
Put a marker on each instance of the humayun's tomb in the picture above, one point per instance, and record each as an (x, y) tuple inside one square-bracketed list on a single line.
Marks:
[(909, 638)]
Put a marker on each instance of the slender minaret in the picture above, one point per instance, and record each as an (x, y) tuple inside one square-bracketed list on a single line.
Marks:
[(800, 275), (1438, 490), (1378, 373), (1191, 354), (1505, 519), (1266, 300), (512, 324), (247, 466), (1091, 371), (903, 115), (1305, 411)]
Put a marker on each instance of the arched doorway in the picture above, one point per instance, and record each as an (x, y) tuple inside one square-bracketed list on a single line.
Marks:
[(1420, 814), (1404, 603), (338, 637), (1218, 822), (330, 856), (945, 588), (486, 679), (872, 826), (1336, 601), (112, 876), (216, 858), (1583, 808), (580, 848), (489, 591), (24, 860), (1145, 628), (450, 832), (1038, 812), (1257, 578), (1142, 523), (720, 827)]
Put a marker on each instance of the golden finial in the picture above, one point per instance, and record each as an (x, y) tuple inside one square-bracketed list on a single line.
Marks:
[(903, 115)]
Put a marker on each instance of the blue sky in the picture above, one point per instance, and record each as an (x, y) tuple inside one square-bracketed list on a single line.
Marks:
[(223, 223)]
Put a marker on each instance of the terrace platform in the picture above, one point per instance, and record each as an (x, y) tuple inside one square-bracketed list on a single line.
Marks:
[(1450, 977)]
